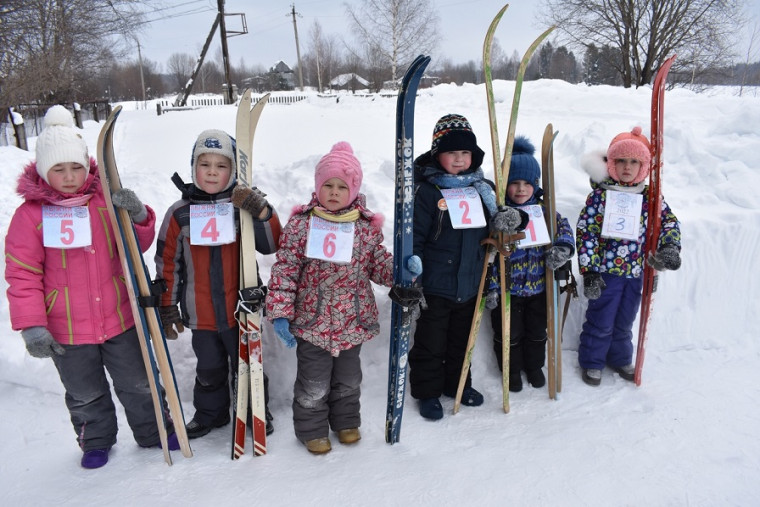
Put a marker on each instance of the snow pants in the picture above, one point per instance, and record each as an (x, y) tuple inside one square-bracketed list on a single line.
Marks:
[(440, 342), (606, 338), (217, 354), (326, 392), (88, 394), (527, 333)]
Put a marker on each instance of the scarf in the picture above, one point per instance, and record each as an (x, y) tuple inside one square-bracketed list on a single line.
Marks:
[(475, 179)]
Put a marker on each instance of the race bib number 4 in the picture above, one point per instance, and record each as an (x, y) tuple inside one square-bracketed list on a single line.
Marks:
[(66, 227), (536, 233), (212, 224), (622, 215), (330, 241), (465, 208)]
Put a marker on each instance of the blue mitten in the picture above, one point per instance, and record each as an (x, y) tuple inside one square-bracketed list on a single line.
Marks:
[(282, 329), (414, 265)]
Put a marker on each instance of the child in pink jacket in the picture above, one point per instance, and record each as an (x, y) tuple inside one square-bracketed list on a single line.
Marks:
[(321, 299), (66, 289)]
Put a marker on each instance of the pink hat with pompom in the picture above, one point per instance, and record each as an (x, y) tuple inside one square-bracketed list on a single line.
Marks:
[(630, 145), (340, 163)]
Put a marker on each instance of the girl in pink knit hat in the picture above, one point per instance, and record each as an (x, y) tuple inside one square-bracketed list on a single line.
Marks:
[(321, 299), (610, 245)]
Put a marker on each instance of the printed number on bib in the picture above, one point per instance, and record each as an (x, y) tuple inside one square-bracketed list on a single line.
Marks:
[(622, 215), (66, 227), (465, 208), (330, 241), (212, 224), (536, 233)]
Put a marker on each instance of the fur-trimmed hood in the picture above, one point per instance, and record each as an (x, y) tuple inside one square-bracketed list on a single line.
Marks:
[(594, 164), (33, 188)]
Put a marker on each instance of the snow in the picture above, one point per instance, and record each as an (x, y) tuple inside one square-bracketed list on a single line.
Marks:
[(687, 436)]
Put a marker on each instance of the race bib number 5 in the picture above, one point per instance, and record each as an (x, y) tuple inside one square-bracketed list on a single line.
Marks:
[(212, 224), (330, 241), (66, 227)]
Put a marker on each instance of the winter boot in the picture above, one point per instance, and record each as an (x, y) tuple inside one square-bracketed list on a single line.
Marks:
[(95, 458), (592, 376), (536, 378), (430, 408), (515, 382), (349, 436), (196, 430), (318, 445), (471, 397), (626, 372)]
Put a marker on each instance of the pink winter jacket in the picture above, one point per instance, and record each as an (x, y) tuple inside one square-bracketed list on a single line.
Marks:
[(78, 294), (330, 305)]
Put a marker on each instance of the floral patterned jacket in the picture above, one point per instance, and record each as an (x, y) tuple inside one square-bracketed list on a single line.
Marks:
[(328, 304), (618, 257)]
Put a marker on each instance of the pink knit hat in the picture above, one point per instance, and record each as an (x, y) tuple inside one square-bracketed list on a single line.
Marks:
[(630, 145), (340, 163)]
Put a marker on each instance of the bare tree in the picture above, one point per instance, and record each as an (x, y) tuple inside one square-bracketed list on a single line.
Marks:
[(398, 30), (322, 56), (646, 32), (180, 67), (51, 48)]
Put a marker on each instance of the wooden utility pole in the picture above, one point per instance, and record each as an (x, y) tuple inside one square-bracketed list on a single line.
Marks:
[(298, 50), (229, 99)]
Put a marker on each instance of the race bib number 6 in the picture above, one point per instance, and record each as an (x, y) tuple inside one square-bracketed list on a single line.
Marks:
[(66, 227), (330, 241)]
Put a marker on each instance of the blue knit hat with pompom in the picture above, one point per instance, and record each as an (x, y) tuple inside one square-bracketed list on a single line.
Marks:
[(524, 165)]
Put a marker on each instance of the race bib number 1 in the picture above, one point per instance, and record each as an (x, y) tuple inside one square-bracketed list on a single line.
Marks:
[(212, 224), (465, 208), (330, 241), (622, 215), (536, 233), (66, 227)]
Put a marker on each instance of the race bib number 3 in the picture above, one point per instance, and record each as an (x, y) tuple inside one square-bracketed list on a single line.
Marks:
[(622, 215), (212, 224), (330, 241), (536, 233), (66, 227), (465, 208)]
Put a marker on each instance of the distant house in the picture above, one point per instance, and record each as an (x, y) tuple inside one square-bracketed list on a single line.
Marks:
[(349, 81)]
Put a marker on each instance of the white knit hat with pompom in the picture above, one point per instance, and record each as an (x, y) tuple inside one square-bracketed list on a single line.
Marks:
[(59, 142)]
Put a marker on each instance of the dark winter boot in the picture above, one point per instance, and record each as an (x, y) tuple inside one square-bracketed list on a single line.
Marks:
[(430, 408), (95, 458), (592, 376), (471, 397), (196, 430), (515, 382), (536, 378), (626, 372)]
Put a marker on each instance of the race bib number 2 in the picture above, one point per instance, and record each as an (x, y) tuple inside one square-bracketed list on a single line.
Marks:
[(212, 224), (66, 227), (465, 208)]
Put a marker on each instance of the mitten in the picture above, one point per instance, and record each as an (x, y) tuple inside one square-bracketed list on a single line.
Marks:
[(666, 257), (40, 343), (593, 285), (251, 200), (492, 299), (282, 330), (557, 256), (414, 265), (126, 199), (406, 296), (171, 319), (509, 220)]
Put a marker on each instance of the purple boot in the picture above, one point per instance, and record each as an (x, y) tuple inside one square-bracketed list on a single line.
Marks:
[(95, 458)]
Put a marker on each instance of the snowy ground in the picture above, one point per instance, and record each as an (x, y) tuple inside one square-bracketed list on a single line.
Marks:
[(687, 436)]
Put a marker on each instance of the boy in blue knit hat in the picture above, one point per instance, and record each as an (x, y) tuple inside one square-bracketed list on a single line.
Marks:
[(528, 275)]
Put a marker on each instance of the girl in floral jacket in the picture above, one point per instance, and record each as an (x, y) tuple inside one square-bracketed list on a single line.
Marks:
[(67, 296), (611, 261), (321, 299)]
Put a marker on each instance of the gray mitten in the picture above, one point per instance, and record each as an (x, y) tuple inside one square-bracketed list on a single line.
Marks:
[(509, 220), (593, 285), (492, 299), (666, 257), (251, 200), (171, 319), (40, 343), (557, 256), (126, 199)]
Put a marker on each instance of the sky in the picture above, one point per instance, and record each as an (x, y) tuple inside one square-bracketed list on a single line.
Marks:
[(687, 436), (271, 36), (184, 26)]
